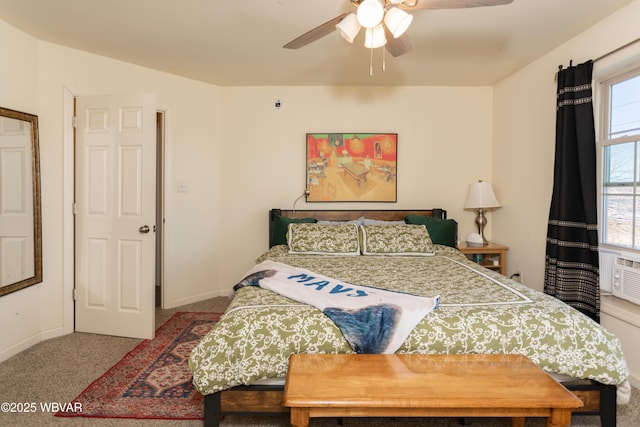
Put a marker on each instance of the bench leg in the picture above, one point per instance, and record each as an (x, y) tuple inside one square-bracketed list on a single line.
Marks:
[(560, 417), (299, 417), (517, 421)]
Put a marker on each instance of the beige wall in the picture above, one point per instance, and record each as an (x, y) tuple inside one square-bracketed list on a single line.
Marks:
[(192, 134), (524, 141), (19, 311), (34, 77), (444, 144)]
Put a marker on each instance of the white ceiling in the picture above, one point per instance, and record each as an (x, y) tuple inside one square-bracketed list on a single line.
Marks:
[(239, 43)]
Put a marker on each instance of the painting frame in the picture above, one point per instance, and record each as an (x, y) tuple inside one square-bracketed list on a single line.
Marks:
[(352, 167)]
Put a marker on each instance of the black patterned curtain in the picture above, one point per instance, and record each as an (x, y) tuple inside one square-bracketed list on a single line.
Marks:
[(571, 265)]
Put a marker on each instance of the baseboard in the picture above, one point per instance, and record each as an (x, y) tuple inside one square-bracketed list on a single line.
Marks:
[(55, 333), (192, 299), (20, 347), (31, 341)]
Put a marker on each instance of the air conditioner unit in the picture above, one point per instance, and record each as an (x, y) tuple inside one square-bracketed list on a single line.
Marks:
[(626, 279)]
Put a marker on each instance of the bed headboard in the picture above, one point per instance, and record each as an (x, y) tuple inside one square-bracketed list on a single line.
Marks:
[(346, 215)]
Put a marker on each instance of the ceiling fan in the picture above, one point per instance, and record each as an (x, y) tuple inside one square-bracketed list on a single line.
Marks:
[(385, 22)]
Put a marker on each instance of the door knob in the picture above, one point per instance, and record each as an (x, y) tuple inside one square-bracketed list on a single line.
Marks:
[(144, 229)]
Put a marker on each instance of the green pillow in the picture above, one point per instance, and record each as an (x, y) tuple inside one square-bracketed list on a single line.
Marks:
[(442, 231), (281, 226)]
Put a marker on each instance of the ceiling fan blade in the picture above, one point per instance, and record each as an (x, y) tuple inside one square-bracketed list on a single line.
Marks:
[(397, 46), (315, 34), (449, 4)]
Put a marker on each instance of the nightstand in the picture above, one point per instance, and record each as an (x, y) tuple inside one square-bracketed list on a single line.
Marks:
[(492, 255)]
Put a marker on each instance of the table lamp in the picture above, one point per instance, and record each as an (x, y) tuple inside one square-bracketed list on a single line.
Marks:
[(481, 197)]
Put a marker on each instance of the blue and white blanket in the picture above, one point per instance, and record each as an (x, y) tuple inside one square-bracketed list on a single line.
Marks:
[(372, 320)]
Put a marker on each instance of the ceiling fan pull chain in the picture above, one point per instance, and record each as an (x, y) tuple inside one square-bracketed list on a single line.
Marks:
[(370, 55), (384, 60), (371, 62)]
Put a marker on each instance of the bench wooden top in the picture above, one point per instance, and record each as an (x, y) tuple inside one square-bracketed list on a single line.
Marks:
[(421, 381)]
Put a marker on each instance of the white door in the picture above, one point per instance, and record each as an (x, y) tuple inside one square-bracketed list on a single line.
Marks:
[(115, 215), (16, 202)]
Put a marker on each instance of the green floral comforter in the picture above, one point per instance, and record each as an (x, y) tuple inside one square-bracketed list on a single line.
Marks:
[(480, 312)]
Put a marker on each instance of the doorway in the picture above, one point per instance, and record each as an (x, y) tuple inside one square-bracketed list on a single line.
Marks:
[(160, 185)]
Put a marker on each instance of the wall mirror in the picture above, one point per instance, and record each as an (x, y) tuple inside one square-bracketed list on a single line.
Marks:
[(20, 218)]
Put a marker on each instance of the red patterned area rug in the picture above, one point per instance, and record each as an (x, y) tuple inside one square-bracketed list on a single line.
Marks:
[(153, 380)]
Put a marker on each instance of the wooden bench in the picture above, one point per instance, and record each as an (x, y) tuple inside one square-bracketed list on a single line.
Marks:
[(412, 385)]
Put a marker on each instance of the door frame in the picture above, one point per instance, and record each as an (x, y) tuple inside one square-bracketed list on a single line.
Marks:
[(161, 116), (69, 172)]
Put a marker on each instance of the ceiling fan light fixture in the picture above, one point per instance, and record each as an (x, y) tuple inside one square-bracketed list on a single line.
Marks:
[(374, 37), (349, 27), (370, 13), (397, 21)]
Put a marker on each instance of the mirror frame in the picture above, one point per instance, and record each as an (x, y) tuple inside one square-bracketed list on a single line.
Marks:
[(37, 218)]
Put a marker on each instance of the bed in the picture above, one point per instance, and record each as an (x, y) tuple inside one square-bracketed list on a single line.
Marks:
[(240, 364)]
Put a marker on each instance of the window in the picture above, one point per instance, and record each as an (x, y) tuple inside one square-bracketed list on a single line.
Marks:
[(619, 146)]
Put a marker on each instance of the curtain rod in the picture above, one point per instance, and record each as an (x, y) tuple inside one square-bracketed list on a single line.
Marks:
[(616, 50)]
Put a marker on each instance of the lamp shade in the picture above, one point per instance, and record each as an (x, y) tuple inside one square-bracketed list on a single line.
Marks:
[(349, 27), (481, 196), (374, 37), (397, 21), (370, 13)]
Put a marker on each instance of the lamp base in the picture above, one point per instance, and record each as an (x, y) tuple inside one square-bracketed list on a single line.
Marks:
[(481, 222)]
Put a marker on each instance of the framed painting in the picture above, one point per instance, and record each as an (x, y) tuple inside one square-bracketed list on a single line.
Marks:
[(352, 167)]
